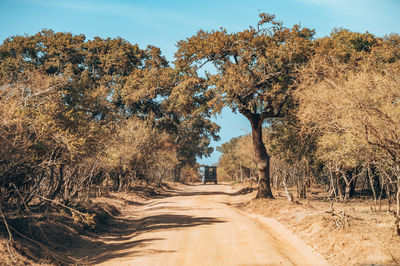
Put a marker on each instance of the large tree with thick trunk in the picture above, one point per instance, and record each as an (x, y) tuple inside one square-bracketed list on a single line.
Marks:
[(255, 72)]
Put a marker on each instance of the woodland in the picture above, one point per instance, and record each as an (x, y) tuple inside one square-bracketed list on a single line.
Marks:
[(340, 118), (81, 118)]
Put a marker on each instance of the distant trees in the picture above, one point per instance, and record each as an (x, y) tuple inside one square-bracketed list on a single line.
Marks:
[(237, 161), (138, 151), (255, 73)]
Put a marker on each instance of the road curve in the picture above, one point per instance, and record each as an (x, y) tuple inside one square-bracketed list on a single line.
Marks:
[(197, 226)]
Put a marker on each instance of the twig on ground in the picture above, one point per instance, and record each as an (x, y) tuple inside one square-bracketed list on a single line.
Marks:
[(87, 218), (10, 237), (340, 218)]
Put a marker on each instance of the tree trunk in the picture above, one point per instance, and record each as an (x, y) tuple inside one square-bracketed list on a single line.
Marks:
[(375, 181), (177, 173), (353, 187), (60, 182), (332, 186), (262, 158), (371, 183), (241, 173), (301, 189), (340, 186), (53, 193), (397, 219), (347, 184)]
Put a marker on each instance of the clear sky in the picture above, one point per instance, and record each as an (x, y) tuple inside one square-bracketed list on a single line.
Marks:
[(163, 23)]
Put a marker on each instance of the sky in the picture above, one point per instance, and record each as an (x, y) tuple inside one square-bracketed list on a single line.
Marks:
[(164, 23)]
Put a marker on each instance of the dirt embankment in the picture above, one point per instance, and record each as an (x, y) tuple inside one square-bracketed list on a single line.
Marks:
[(354, 235)]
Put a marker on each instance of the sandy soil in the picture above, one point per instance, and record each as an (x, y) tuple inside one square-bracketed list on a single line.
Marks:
[(197, 225), (367, 239)]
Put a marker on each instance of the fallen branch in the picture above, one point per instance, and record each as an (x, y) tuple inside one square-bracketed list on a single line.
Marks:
[(63, 205), (340, 218), (85, 217)]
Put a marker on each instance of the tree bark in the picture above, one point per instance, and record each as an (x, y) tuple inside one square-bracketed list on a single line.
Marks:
[(301, 189), (261, 156), (371, 182), (340, 186), (397, 219), (353, 187), (177, 173)]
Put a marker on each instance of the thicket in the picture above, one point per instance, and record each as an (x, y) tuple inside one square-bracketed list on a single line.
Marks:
[(84, 117)]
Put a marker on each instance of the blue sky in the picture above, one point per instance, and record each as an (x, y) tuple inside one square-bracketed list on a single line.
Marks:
[(163, 23)]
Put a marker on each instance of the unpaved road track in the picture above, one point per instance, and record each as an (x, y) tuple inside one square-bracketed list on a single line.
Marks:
[(198, 226)]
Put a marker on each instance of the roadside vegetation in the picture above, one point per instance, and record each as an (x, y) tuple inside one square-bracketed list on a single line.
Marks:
[(86, 118)]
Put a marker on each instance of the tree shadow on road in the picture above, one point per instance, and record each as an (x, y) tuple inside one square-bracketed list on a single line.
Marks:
[(181, 192), (105, 252), (174, 191), (119, 239)]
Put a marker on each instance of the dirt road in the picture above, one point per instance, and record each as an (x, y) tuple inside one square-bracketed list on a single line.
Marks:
[(198, 226)]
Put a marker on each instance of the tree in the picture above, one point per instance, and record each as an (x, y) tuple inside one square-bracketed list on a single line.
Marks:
[(95, 69), (255, 74), (292, 151), (133, 152)]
